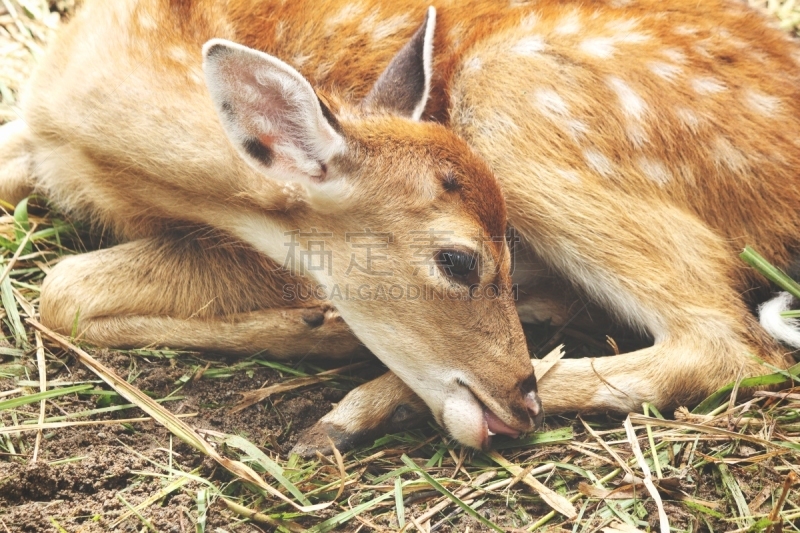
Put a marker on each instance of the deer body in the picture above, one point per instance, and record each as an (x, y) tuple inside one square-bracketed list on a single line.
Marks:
[(637, 148)]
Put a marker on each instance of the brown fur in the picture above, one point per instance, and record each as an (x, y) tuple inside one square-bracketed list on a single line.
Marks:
[(638, 149)]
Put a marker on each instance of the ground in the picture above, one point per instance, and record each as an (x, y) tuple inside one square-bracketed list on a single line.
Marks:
[(80, 457)]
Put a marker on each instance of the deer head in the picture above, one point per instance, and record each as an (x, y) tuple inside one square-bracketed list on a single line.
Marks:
[(407, 222)]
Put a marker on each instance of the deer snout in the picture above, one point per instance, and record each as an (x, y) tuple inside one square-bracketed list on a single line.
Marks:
[(531, 399), (534, 405)]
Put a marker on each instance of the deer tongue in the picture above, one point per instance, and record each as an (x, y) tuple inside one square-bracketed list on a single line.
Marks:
[(497, 426)]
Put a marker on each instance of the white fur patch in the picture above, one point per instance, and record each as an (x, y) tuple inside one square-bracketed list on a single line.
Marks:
[(568, 25), (382, 29), (350, 12), (632, 104), (688, 118), (146, 22), (602, 47), (707, 85), (685, 30), (178, 54), (654, 170), (550, 102), (761, 103), (727, 155), (575, 128), (474, 63), (598, 162), (663, 70), (676, 56), (636, 135), (529, 21), (785, 330), (528, 46), (622, 25)]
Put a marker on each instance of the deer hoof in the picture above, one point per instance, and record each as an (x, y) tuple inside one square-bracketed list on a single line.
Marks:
[(322, 436)]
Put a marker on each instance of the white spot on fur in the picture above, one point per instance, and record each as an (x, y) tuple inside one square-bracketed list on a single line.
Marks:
[(702, 50), (654, 170), (636, 135), (786, 330), (707, 85), (196, 76), (632, 104), (576, 128), (473, 63), (663, 70), (622, 25), (299, 60), (146, 22), (676, 56), (727, 155), (688, 118), (528, 45), (457, 34), (529, 21), (598, 162), (550, 102), (602, 47), (382, 29), (685, 30), (178, 54), (350, 12), (762, 103), (569, 25)]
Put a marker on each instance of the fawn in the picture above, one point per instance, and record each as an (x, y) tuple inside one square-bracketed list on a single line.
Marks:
[(634, 147)]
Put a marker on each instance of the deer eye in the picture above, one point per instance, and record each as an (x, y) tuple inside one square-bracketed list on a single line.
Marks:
[(459, 266)]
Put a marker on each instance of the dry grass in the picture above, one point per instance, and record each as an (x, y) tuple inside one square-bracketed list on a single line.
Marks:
[(727, 466), (731, 465)]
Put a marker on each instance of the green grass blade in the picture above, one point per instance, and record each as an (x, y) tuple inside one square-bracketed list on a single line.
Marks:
[(13, 403), (721, 395), (775, 275), (435, 484), (555, 436), (22, 225), (270, 466), (735, 492), (10, 305), (398, 502), (202, 510), (348, 515)]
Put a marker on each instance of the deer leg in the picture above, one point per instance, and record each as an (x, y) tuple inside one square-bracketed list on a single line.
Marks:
[(16, 181), (662, 270), (190, 293), (383, 405)]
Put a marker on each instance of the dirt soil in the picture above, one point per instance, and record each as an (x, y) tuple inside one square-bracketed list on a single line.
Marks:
[(84, 473)]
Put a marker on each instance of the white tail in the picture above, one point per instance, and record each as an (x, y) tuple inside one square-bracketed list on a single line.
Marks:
[(786, 330)]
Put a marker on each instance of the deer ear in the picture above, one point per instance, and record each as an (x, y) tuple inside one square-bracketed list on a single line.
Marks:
[(403, 87), (271, 113)]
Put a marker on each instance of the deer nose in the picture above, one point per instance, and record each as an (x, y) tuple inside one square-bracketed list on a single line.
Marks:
[(534, 406)]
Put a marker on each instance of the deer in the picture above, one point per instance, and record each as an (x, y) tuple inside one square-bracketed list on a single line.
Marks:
[(634, 147)]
